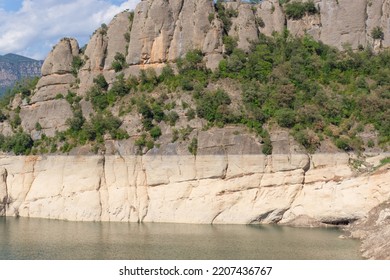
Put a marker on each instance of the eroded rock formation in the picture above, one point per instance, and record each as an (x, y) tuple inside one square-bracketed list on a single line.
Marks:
[(159, 32), (227, 188)]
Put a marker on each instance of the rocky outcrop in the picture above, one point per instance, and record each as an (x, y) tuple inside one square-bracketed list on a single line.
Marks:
[(160, 31), (342, 23), (163, 31), (57, 79), (374, 230), (228, 188)]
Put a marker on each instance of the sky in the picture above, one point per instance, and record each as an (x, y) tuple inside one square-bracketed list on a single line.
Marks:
[(32, 27)]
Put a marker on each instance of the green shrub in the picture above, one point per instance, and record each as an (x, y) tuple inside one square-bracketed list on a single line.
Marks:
[(77, 63), (172, 118), (38, 126), (155, 132), (20, 143), (76, 123), (119, 62), (193, 146), (377, 33), (190, 114), (210, 105), (285, 117), (16, 121), (100, 82), (267, 147), (230, 44), (296, 10), (120, 86), (343, 143)]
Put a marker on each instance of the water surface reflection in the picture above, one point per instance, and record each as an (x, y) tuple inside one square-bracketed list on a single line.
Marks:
[(24, 238)]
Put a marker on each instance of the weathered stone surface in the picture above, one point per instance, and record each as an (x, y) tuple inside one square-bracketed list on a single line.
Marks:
[(163, 31), (204, 189), (374, 230), (271, 13), (344, 23), (51, 115), (244, 26), (59, 60), (378, 15), (50, 86), (116, 41)]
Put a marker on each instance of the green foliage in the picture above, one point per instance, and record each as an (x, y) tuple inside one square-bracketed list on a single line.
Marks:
[(307, 138), (103, 29), (230, 44), (306, 85), (59, 96), (76, 123), (119, 62), (148, 80), (127, 37), (120, 87), (20, 143), (24, 87), (38, 126), (155, 132), (211, 17), (2, 117), (98, 93), (343, 144), (377, 33), (171, 118), (213, 106), (385, 161), (100, 82), (285, 117), (143, 142), (267, 146), (190, 114), (77, 63), (193, 146), (16, 121), (72, 98), (296, 10)]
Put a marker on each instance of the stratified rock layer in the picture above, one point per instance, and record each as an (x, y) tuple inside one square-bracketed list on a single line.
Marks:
[(237, 189)]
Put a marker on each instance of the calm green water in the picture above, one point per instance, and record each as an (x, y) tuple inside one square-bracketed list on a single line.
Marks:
[(49, 239)]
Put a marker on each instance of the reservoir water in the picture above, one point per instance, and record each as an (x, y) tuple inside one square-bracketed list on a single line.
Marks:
[(23, 239)]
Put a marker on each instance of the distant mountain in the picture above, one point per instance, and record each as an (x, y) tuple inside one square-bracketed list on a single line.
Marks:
[(15, 67)]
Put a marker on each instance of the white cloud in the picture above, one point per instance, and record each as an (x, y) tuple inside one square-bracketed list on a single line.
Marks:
[(40, 24)]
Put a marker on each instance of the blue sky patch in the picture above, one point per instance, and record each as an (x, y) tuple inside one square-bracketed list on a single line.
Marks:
[(11, 5)]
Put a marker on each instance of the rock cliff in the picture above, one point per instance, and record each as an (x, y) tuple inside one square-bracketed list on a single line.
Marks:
[(225, 178), (159, 32), (240, 189)]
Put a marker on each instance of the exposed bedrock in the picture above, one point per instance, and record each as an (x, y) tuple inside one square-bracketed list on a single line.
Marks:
[(238, 189)]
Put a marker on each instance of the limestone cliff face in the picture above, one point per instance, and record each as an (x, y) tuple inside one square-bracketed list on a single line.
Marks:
[(185, 189), (229, 181), (57, 78), (341, 23)]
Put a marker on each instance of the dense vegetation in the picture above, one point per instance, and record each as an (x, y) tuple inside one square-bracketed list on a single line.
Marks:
[(313, 89), (297, 10), (316, 91)]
